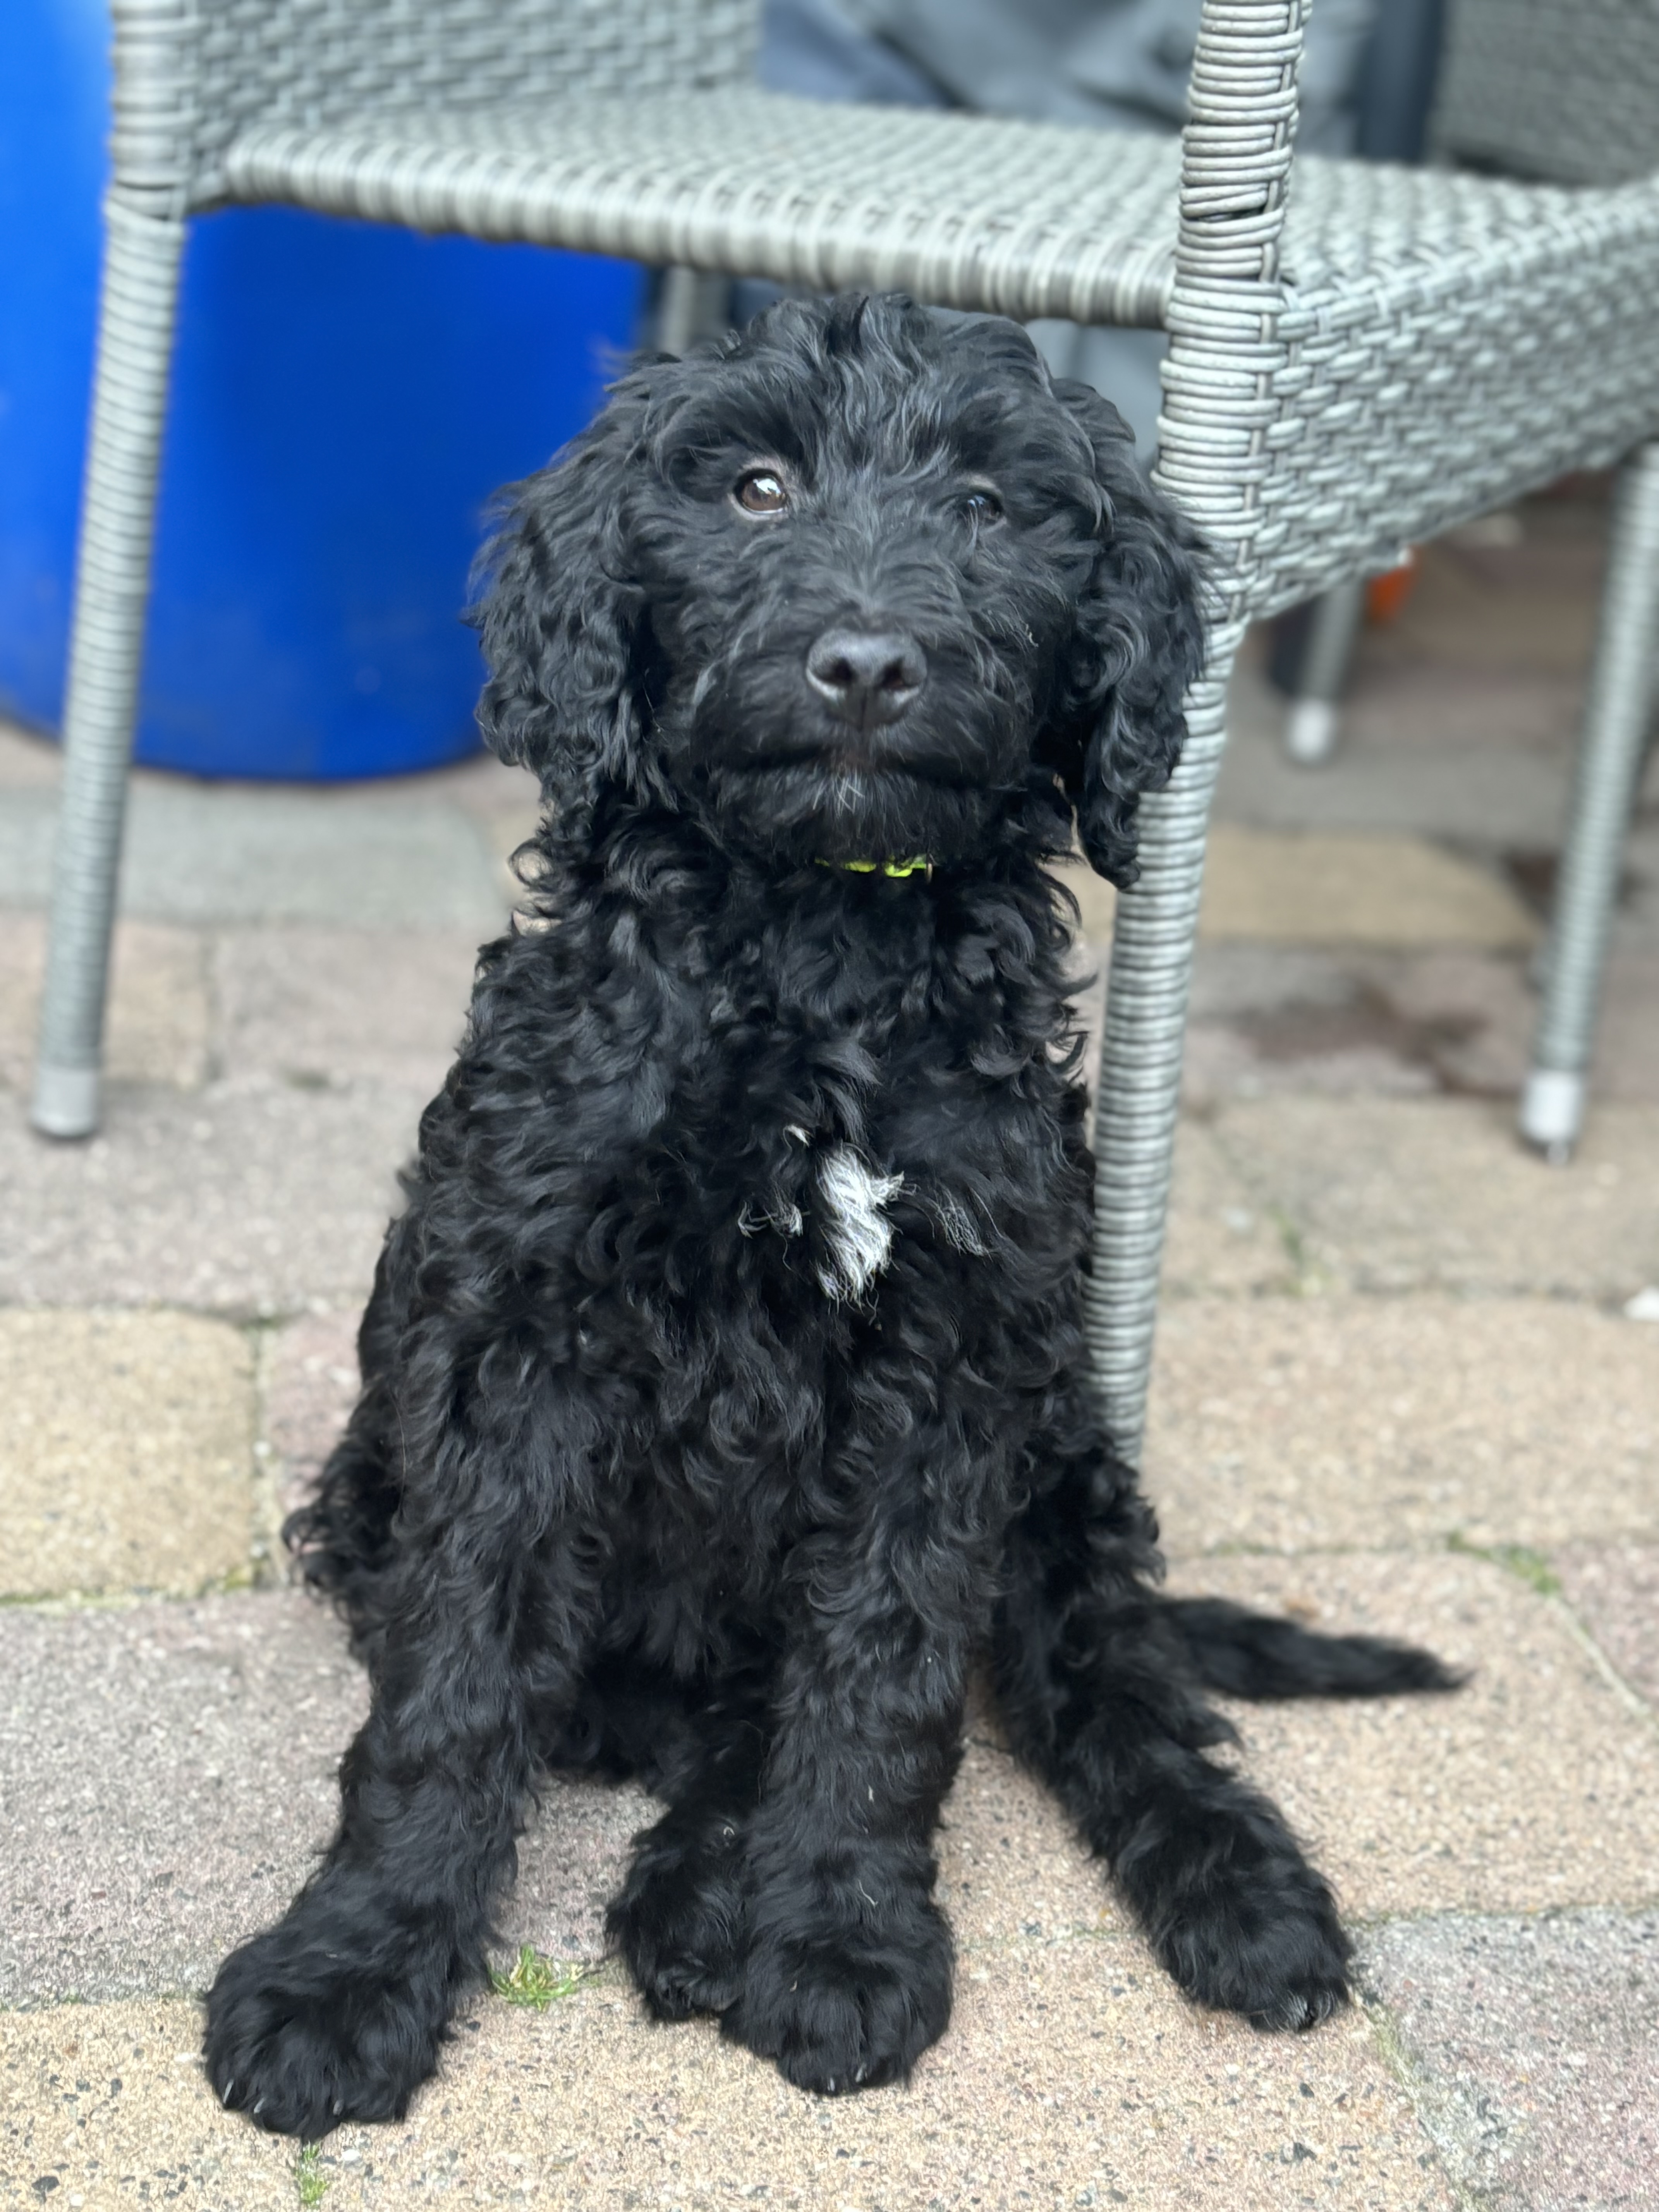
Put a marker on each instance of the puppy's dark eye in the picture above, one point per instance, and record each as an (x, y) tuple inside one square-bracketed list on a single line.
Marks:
[(761, 491), (981, 506)]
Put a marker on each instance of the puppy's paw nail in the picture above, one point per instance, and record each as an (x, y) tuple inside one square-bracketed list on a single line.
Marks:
[(863, 2074)]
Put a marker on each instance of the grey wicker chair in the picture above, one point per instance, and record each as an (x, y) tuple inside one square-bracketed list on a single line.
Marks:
[(1359, 362), (1565, 92)]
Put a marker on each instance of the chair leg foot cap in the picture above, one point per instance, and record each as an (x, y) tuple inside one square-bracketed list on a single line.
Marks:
[(65, 1101), (1552, 1112), (1310, 730)]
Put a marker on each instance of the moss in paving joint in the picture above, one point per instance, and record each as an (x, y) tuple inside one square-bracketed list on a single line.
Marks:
[(536, 1980), (1518, 1559), (309, 2179), (1295, 1244), (1391, 2046)]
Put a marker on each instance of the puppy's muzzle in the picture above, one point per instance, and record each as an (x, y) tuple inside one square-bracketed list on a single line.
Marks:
[(866, 678)]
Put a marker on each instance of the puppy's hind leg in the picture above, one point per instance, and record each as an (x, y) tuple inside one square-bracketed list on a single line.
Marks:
[(681, 1919), (1098, 1694)]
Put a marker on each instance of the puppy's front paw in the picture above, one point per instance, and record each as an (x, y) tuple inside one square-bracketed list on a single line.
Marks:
[(847, 2011), (1269, 1946), (301, 2043), (680, 1919)]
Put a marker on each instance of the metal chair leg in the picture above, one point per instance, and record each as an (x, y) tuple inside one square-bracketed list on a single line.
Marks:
[(1310, 727), (1140, 1053), (1609, 763), (111, 590)]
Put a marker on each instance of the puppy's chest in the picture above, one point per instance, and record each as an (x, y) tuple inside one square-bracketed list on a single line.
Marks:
[(833, 1183)]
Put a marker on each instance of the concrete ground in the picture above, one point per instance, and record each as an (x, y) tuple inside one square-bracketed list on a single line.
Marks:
[(1400, 1385)]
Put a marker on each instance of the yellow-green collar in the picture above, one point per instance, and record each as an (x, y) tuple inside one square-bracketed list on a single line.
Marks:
[(882, 867)]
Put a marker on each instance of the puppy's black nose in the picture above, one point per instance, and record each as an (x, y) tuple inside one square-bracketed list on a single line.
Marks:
[(866, 677)]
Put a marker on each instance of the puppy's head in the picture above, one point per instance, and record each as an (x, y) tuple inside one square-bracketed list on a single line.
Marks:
[(857, 583)]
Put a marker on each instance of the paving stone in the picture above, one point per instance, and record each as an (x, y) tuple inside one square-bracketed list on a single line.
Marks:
[(1299, 1425), (1484, 758), (1396, 1195), (1614, 1590), (158, 1019), (1069, 2077), (250, 1197), (1270, 1019), (222, 853), (326, 1007), (1219, 1237), (167, 1773), (1534, 2046), (1011, 1868), (1364, 887), (1534, 1786), (125, 1452), (311, 1385)]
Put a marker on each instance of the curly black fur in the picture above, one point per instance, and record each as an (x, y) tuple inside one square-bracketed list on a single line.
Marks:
[(724, 1385)]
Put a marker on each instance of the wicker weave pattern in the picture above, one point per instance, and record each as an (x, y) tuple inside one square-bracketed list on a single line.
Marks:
[(192, 75), (1546, 89), (964, 210), (1408, 371), (1413, 395)]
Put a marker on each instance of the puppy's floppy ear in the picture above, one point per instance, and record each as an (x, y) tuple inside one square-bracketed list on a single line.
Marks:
[(560, 614), (1138, 643)]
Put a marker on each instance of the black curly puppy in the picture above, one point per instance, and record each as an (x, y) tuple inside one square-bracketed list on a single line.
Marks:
[(724, 1386)]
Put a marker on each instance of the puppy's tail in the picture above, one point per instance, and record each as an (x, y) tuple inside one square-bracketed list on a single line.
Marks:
[(1256, 1654)]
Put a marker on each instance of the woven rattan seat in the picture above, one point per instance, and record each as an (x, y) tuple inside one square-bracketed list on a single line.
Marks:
[(1419, 305), (1359, 357), (964, 210)]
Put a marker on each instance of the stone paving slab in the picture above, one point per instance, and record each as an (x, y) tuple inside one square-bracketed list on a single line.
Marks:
[(1265, 1019), (1614, 1590), (158, 1019), (311, 1385), (1219, 1237), (1534, 2046), (167, 1772), (1398, 1194), (1353, 887), (213, 853), (326, 1007), (1485, 759), (126, 1452), (250, 1198), (1534, 1786), (1069, 2077), (1298, 1425)]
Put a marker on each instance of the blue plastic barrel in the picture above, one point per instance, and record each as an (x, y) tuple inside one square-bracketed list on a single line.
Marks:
[(345, 398)]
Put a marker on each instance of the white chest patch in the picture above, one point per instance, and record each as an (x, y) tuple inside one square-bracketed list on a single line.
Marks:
[(857, 1232)]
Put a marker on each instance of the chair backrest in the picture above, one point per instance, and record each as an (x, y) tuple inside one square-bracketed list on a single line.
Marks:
[(1563, 91), (190, 74)]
